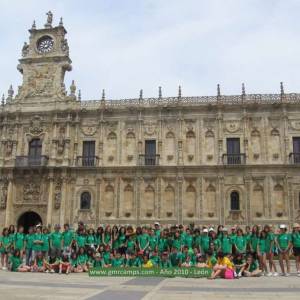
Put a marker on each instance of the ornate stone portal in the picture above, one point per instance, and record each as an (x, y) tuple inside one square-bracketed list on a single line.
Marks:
[(145, 159)]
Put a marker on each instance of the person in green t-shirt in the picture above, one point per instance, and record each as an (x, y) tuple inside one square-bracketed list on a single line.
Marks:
[(226, 242), (153, 240), (261, 251), (133, 261), (296, 246), (82, 260), (38, 265), (157, 230), (16, 262), (270, 249), (5, 246), (56, 240), (143, 240), (107, 240), (165, 262), (37, 241), (98, 261), (67, 237), (90, 241), (283, 242), (251, 268), (253, 240), (99, 237), (45, 239), (19, 240), (204, 241), (28, 245), (118, 261), (240, 243)]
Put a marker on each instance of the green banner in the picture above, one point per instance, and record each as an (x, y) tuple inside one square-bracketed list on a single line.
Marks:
[(191, 272)]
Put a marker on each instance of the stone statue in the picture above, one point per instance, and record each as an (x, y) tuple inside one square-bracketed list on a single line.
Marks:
[(25, 49), (49, 19)]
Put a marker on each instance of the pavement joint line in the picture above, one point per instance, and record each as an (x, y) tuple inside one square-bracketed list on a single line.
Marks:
[(150, 294)]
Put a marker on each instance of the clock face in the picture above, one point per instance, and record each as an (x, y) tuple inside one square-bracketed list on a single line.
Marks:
[(45, 44)]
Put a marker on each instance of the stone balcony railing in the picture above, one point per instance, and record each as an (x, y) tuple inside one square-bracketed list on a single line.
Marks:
[(28, 161)]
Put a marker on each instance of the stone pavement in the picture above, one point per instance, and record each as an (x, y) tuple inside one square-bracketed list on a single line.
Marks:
[(81, 286)]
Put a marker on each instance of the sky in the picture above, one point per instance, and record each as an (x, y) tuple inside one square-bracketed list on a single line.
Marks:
[(123, 46)]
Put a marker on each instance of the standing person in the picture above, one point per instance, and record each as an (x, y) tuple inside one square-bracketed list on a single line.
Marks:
[(261, 252), (240, 243), (204, 241), (226, 242), (45, 239), (19, 240), (283, 242), (67, 238), (28, 246), (107, 236), (90, 239), (157, 230), (253, 240), (99, 237), (143, 240), (56, 241), (11, 234), (5, 246), (37, 241), (270, 249), (296, 246)]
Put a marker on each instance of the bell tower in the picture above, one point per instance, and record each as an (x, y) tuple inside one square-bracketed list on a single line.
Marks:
[(45, 59)]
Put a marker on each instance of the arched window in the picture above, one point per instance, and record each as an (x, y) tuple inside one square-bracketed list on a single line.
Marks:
[(234, 201), (85, 200)]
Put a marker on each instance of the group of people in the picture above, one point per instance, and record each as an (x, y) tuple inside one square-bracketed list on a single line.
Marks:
[(229, 253)]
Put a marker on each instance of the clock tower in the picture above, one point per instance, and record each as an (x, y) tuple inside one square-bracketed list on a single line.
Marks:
[(45, 59)]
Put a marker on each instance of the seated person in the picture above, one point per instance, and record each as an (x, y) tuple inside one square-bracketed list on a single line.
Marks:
[(165, 262), (251, 269), (201, 261), (223, 263), (98, 261), (147, 263), (38, 265), (64, 265), (15, 263), (52, 265)]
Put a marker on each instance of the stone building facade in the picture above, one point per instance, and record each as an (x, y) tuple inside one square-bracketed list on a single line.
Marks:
[(203, 160)]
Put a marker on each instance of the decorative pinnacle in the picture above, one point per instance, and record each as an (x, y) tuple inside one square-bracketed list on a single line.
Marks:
[(179, 91), (79, 94), (103, 95), (10, 92), (72, 88), (243, 89), (281, 88), (218, 90), (159, 92), (3, 100), (61, 22), (141, 94), (33, 27)]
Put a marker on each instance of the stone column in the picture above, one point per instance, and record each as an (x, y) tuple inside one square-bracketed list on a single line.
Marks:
[(63, 200), (9, 203), (50, 200), (179, 199)]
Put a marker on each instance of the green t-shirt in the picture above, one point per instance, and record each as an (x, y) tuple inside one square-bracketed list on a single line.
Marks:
[(177, 244), (188, 241), (107, 238), (45, 239), (162, 245), (29, 240), (90, 239), (106, 257), (73, 262), (197, 241), (15, 262), (98, 239), (37, 246), (283, 240), (270, 238), (253, 242), (153, 242), (19, 241), (253, 266), (130, 244), (262, 245), (133, 262), (67, 237), (39, 262), (121, 240), (117, 262), (240, 243), (165, 263), (143, 240), (155, 260), (98, 263), (296, 239), (233, 237), (81, 240), (176, 258), (56, 238), (226, 244), (204, 243), (82, 259)]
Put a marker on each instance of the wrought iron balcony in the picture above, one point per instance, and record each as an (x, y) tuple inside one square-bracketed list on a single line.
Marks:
[(28, 161), (294, 158), (234, 159), (149, 160), (87, 161)]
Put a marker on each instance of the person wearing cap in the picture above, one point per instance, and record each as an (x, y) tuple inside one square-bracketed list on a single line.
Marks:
[(204, 241), (296, 246), (165, 262), (270, 250), (157, 230), (283, 242), (226, 242)]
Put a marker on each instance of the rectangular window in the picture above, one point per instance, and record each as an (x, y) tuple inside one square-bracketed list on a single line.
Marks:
[(233, 151), (35, 152), (296, 149), (88, 153), (150, 152)]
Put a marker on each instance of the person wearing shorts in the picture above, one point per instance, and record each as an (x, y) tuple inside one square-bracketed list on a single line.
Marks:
[(296, 246)]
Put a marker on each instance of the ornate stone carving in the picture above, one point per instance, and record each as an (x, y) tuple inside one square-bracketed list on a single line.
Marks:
[(31, 192), (294, 124), (232, 126), (3, 197), (36, 125), (150, 128), (57, 194), (89, 128)]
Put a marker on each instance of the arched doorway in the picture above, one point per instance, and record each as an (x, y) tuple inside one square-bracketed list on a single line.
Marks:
[(29, 218)]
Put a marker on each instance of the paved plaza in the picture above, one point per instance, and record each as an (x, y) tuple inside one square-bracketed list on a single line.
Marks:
[(81, 286)]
